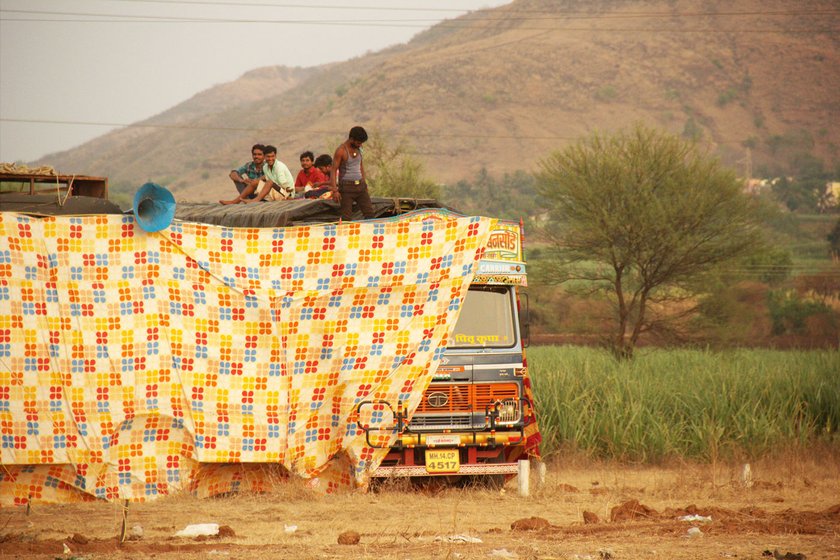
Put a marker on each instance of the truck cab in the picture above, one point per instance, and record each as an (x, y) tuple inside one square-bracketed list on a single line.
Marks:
[(476, 416)]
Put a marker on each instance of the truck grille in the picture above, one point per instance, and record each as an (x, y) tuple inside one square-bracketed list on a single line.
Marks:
[(442, 422), (465, 398)]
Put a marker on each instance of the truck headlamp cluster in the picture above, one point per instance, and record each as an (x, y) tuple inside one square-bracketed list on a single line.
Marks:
[(508, 412)]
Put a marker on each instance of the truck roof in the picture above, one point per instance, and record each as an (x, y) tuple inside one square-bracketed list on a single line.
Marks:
[(293, 212), (53, 204), (280, 213), (503, 262)]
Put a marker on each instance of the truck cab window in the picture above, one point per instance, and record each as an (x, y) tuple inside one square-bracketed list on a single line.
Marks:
[(486, 319)]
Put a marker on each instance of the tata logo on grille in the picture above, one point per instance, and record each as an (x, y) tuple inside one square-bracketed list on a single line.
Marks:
[(437, 399)]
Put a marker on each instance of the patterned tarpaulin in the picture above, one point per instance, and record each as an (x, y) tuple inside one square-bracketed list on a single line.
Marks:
[(135, 364)]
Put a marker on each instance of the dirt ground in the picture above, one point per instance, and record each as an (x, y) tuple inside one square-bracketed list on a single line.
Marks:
[(792, 509)]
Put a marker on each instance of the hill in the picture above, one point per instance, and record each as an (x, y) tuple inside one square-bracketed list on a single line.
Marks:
[(498, 89)]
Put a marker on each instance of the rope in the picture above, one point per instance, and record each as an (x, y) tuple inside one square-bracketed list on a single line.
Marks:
[(21, 169), (69, 190), (45, 170)]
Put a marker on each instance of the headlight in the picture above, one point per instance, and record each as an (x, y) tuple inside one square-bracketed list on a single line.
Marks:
[(508, 412)]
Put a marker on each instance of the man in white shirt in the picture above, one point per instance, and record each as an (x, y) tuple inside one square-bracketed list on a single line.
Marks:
[(279, 182)]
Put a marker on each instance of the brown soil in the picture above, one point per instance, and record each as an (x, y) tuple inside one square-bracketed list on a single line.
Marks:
[(793, 507)]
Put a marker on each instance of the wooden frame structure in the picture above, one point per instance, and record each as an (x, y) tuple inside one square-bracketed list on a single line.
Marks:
[(77, 185)]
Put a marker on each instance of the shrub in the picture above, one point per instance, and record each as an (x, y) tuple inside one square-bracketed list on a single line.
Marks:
[(726, 97), (692, 130), (606, 93), (789, 311)]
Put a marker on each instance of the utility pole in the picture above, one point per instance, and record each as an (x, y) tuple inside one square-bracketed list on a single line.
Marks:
[(748, 164), (747, 161)]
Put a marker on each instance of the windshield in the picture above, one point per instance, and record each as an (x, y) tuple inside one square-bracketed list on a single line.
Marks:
[(486, 319)]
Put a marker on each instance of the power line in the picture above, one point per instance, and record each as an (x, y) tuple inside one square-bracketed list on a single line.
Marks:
[(485, 15), (585, 15), (278, 129), (303, 6), (266, 129), (402, 22), (361, 23), (127, 18)]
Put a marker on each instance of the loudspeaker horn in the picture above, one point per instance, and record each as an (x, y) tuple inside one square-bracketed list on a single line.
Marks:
[(154, 207)]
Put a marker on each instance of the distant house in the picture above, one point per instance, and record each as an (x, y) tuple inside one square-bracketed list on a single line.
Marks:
[(757, 186), (831, 196)]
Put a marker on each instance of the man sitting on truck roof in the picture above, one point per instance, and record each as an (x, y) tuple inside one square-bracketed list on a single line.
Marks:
[(248, 177), (321, 189), (308, 176), (279, 183)]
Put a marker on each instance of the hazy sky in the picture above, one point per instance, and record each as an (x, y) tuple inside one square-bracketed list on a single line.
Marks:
[(71, 70)]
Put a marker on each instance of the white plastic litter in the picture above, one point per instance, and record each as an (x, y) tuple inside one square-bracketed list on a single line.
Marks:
[(695, 532), (746, 476), (135, 533), (199, 530), (701, 518), (502, 553), (459, 538), (290, 528)]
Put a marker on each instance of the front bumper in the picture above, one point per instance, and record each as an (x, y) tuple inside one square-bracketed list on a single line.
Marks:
[(401, 471)]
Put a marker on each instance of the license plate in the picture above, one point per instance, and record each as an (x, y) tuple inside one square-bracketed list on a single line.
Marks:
[(442, 460)]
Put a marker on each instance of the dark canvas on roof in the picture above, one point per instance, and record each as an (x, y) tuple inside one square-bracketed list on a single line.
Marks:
[(283, 213)]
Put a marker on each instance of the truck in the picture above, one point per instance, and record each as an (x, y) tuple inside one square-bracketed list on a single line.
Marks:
[(477, 417)]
